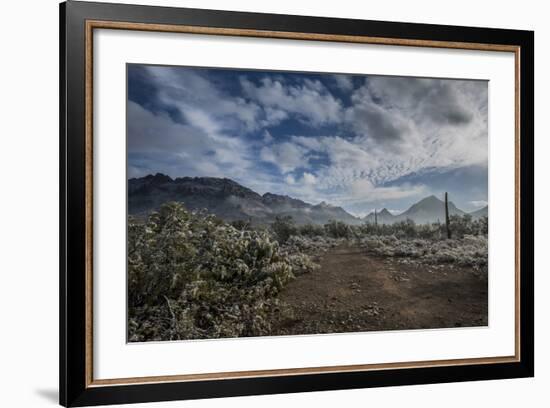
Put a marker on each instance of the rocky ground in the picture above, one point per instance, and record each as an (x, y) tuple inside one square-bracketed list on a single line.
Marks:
[(353, 291)]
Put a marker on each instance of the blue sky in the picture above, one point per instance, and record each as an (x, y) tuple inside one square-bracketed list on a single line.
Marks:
[(358, 141)]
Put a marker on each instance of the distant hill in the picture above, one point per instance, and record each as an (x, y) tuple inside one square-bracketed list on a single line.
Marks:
[(381, 217), (428, 210), (226, 199), (231, 201), (482, 212)]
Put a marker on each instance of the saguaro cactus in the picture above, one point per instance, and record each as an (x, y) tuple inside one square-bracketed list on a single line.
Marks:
[(447, 226)]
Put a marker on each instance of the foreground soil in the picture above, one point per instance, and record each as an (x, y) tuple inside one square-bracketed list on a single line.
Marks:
[(354, 291)]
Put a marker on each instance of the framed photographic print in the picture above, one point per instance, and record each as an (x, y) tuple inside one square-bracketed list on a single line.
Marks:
[(256, 203)]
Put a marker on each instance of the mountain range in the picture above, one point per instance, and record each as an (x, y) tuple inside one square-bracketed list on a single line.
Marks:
[(227, 199), (428, 210), (231, 201)]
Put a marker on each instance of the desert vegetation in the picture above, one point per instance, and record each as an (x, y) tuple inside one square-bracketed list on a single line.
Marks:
[(193, 276), (427, 243)]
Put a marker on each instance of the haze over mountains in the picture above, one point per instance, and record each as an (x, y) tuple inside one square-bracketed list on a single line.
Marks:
[(231, 201), (428, 210)]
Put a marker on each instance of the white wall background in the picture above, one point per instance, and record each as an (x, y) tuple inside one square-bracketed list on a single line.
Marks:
[(29, 202)]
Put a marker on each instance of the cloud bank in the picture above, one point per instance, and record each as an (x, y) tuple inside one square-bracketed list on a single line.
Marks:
[(356, 141)]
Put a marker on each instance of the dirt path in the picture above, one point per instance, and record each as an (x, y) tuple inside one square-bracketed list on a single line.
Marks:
[(353, 291)]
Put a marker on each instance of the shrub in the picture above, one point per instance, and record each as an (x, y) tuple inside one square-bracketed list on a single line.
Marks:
[(467, 251), (338, 229), (464, 225), (192, 276), (311, 230), (241, 225), (283, 228), (301, 263), (460, 226)]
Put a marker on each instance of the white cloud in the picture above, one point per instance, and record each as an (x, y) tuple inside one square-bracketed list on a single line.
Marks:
[(267, 139), (363, 190), (286, 156), (344, 82), (310, 101), (201, 120), (135, 172), (394, 127), (273, 116), (150, 133), (183, 149), (426, 122), (199, 100), (311, 143), (309, 179), (479, 203), (402, 126)]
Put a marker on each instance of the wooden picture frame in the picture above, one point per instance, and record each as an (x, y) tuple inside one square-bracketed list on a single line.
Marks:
[(78, 20)]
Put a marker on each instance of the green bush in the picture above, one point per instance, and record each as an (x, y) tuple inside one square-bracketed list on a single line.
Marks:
[(338, 229), (465, 225), (283, 227), (191, 275), (241, 225), (469, 250), (460, 227), (311, 230)]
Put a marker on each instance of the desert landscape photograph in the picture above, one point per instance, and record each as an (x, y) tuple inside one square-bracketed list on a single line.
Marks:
[(268, 203)]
